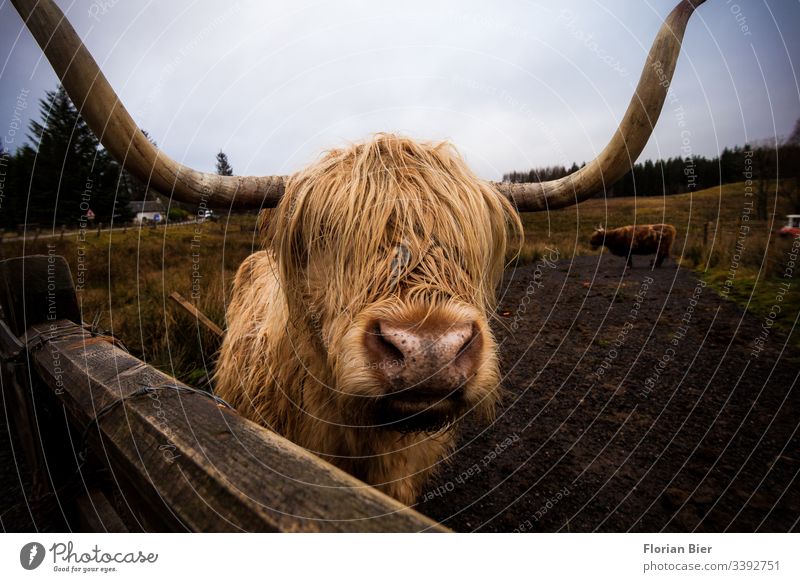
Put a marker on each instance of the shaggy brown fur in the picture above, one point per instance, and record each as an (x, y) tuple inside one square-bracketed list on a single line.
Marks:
[(646, 239), (293, 358)]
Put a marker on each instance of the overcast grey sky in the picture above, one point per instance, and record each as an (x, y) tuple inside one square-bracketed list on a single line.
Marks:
[(514, 84)]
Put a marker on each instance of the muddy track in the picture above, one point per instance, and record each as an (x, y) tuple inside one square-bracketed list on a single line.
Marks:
[(633, 402)]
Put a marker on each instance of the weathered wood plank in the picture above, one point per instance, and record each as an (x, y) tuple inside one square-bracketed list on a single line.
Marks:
[(98, 514), (197, 464)]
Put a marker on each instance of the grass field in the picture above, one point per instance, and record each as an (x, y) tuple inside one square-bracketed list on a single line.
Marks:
[(130, 275), (721, 208)]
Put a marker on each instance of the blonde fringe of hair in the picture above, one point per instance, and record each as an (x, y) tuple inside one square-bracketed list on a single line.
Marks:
[(357, 205)]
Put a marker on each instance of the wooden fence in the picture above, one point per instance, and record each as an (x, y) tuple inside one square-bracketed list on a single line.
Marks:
[(117, 445)]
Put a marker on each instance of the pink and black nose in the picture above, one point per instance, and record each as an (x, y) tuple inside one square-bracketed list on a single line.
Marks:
[(425, 360)]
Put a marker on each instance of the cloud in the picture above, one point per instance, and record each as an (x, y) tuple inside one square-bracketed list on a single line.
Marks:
[(513, 84)]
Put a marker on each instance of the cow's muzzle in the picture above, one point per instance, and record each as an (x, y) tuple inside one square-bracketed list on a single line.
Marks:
[(423, 367)]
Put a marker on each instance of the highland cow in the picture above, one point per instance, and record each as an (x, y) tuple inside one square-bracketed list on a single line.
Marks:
[(626, 241), (361, 331)]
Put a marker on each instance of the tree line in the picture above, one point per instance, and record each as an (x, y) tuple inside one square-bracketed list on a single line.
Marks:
[(63, 175), (762, 162)]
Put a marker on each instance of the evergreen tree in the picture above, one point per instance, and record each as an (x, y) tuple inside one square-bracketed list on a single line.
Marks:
[(7, 187), (223, 167), (67, 170), (794, 137)]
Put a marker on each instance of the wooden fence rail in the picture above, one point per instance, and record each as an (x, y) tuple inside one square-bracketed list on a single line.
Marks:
[(125, 446)]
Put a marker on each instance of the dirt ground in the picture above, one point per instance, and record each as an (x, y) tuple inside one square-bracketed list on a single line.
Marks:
[(635, 402)]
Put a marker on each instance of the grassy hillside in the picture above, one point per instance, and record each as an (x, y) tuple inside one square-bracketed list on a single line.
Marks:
[(130, 275), (721, 207)]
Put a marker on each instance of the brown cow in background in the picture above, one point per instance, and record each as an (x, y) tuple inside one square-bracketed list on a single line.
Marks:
[(626, 241)]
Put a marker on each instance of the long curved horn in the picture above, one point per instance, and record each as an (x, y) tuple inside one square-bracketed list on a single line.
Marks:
[(631, 136), (110, 121)]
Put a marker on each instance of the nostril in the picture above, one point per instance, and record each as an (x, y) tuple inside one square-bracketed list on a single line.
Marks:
[(382, 346)]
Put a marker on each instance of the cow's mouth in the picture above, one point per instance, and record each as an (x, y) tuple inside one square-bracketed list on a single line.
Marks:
[(414, 410)]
